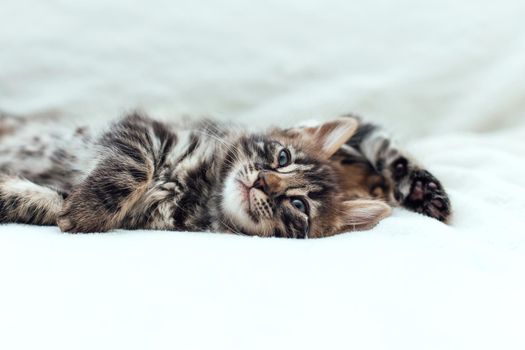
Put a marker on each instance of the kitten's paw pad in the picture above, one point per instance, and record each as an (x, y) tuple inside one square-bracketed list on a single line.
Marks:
[(427, 196), (417, 193), (400, 168)]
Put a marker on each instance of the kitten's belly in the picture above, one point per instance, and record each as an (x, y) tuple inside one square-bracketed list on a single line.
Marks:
[(47, 154)]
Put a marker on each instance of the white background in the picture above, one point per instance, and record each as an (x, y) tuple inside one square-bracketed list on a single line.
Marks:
[(446, 76)]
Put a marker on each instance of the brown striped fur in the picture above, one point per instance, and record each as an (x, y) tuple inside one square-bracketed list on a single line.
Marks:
[(141, 173)]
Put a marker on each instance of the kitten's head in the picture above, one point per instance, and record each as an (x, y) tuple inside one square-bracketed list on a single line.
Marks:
[(283, 184)]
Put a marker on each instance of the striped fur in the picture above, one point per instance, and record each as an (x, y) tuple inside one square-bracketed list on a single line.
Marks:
[(141, 173), (381, 170)]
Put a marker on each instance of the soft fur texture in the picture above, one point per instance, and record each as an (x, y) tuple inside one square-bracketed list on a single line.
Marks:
[(445, 76), (141, 173)]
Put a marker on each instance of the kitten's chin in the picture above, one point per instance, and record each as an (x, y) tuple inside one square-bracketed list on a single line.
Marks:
[(236, 202)]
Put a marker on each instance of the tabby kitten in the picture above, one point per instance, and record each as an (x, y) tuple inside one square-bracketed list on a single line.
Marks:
[(141, 173)]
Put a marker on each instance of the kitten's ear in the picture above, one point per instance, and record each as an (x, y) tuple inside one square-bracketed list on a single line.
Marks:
[(330, 136), (363, 214)]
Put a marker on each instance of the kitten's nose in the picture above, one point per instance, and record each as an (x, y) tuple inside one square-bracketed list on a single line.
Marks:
[(269, 183)]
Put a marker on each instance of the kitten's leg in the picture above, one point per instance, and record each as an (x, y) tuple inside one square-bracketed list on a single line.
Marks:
[(406, 183), (131, 150), (22, 201)]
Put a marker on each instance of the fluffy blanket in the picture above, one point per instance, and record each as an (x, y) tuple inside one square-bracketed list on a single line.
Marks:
[(445, 76)]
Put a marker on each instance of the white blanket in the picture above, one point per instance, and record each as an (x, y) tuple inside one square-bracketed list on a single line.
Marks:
[(446, 76)]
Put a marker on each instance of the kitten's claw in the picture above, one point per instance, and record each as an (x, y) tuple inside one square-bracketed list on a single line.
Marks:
[(427, 196)]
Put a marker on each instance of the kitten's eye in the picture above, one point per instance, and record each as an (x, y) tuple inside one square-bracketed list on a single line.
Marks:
[(300, 205), (284, 158)]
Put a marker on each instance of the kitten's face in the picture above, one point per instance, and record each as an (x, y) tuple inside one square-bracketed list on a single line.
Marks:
[(283, 184), (274, 188)]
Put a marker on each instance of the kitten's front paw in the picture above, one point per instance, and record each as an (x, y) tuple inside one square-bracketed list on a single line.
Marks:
[(81, 219), (425, 194), (66, 220)]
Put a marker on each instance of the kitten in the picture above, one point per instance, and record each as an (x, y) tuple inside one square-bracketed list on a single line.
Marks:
[(141, 173)]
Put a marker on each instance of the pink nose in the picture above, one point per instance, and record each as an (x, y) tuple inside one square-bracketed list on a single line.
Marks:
[(269, 183)]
